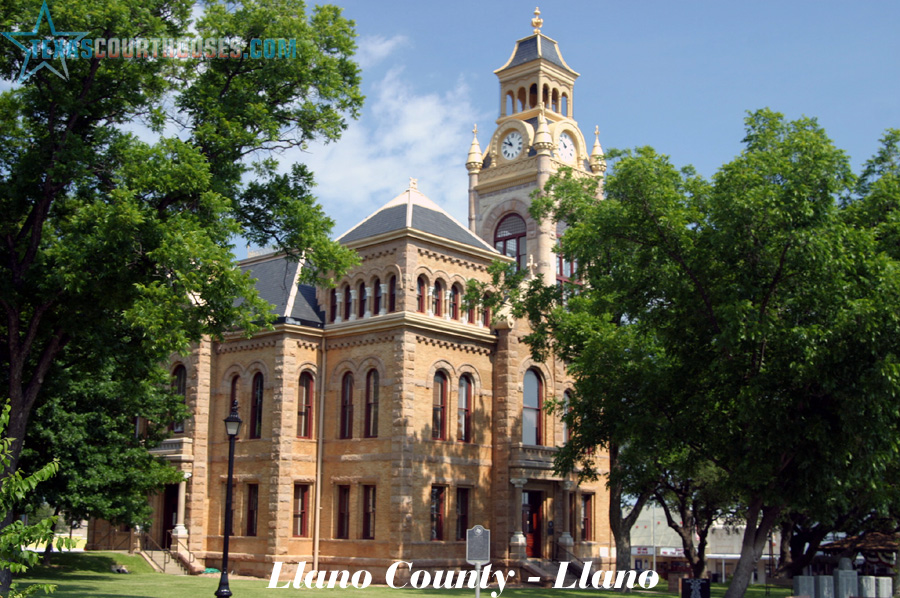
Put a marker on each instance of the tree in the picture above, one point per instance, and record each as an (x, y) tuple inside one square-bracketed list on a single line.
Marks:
[(116, 247), (87, 422), (747, 321), (14, 490), (693, 497)]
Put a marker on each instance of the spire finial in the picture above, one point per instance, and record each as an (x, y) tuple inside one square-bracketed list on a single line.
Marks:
[(597, 132), (537, 21), (413, 183), (475, 129)]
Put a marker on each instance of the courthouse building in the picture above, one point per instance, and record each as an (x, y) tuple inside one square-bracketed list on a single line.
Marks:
[(382, 418)]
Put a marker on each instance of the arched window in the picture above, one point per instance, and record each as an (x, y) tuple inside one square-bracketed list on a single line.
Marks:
[(545, 95), (372, 404), (392, 294), (454, 302), (510, 103), (509, 239), (420, 294), (348, 303), (554, 102), (256, 407), (439, 407), (464, 410), (565, 105), (334, 306), (361, 295), (305, 406), (567, 401), (521, 99), (531, 408), (533, 96), (346, 429), (438, 298), (179, 387), (376, 298)]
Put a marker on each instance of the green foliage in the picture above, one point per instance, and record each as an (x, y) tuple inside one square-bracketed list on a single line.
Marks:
[(15, 489), (87, 423), (750, 321), (117, 248)]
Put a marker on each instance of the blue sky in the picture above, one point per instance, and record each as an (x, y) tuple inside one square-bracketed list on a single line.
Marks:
[(679, 76)]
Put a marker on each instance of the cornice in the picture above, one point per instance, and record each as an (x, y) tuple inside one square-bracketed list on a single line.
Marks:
[(412, 233)]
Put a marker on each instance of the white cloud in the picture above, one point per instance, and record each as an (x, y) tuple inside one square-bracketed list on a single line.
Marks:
[(375, 48), (402, 134)]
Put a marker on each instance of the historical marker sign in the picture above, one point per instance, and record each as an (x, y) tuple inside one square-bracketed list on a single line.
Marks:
[(478, 546)]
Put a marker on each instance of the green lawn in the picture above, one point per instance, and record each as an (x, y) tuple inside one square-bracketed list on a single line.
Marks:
[(88, 574)]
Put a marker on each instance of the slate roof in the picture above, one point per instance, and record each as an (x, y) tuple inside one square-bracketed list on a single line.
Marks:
[(411, 209), (532, 48), (275, 277)]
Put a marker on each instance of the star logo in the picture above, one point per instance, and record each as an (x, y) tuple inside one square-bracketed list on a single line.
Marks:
[(44, 48)]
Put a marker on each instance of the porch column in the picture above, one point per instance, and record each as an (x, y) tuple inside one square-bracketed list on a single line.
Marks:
[(517, 542), (180, 531)]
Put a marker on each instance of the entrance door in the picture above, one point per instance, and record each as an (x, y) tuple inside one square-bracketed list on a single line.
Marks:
[(169, 514), (531, 523)]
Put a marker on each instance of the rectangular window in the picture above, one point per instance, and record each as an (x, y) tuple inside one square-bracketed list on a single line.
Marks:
[(462, 512), (252, 508), (587, 505), (224, 512), (368, 527), (342, 524), (437, 512), (301, 510)]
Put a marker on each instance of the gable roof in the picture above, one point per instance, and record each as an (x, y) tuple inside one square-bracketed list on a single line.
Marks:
[(413, 210)]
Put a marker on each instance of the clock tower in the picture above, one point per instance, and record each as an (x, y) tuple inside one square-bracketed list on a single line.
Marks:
[(535, 136)]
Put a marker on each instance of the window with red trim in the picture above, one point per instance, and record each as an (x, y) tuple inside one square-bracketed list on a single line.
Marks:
[(305, 406), (509, 239), (531, 408), (439, 407)]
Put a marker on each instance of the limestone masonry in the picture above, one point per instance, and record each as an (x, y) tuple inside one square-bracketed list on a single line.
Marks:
[(382, 418)]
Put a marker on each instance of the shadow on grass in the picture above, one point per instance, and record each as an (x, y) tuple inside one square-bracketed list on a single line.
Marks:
[(73, 561)]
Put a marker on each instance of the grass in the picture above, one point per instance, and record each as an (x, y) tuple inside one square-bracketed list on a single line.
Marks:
[(88, 574)]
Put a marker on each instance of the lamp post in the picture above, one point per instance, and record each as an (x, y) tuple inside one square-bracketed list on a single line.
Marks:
[(232, 427)]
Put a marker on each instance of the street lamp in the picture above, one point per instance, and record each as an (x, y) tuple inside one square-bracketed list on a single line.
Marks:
[(232, 427)]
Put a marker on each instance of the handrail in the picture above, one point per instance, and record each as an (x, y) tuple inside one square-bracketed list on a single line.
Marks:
[(150, 546), (178, 542), (570, 557)]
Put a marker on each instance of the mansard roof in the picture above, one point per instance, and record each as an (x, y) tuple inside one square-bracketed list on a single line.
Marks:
[(413, 210), (276, 282), (535, 47)]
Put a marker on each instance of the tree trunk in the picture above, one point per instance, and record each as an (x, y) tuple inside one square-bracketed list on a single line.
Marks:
[(760, 519), (785, 560), (621, 524)]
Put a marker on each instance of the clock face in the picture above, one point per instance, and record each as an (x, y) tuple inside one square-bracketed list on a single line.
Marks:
[(566, 149), (511, 145)]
